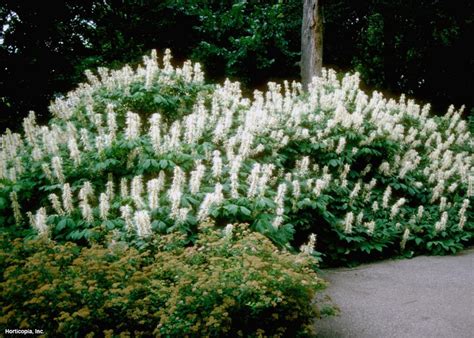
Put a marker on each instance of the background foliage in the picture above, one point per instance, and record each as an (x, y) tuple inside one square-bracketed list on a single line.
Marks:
[(417, 47)]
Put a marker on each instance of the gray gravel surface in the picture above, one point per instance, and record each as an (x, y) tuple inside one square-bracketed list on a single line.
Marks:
[(419, 297)]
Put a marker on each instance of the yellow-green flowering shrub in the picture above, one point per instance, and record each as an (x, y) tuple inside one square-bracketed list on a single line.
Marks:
[(231, 283)]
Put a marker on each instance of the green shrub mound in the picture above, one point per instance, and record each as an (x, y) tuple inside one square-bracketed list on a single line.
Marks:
[(232, 284), (154, 150)]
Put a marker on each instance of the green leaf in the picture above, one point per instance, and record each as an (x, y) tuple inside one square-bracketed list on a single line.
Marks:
[(245, 211), (61, 224)]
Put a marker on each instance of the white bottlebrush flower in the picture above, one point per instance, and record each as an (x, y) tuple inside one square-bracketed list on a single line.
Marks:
[(386, 197), (182, 215), (375, 206), (406, 167), (253, 180), (133, 126), (57, 166), (47, 172), (384, 168), (136, 190), (214, 198), (360, 217), (142, 223), (50, 141), (277, 222), (419, 214), (153, 189), (86, 211), (18, 164), (452, 187), (266, 177), (196, 178), (234, 185), (396, 207), (343, 176), (355, 192), (97, 120), (371, 185), (366, 170), (418, 185), (216, 164), (29, 127), (319, 186), (462, 222), (85, 140), (218, 195), (348, 220), (462, 213), (437, 190), (370, 227), (109, 188), (123, 187), (39, 223), (155, 132), (86, 191), (308, 248), (441, 224), (150, 70), (302, 166), (296, 189), (126, 215), (406, 235), (74, 150), (104, 206), (56, 204), (36, 153), (111, 122), (341, 145), (16, 207), (100, 143), (67, 198), (442, 204), (246, 143), (205, 206), (175, 192), (228, 230), (280, 197)]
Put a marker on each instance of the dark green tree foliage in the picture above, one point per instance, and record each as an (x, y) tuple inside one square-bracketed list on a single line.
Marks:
[(46, 49), (252, 41), (417, 47), (40, 46)]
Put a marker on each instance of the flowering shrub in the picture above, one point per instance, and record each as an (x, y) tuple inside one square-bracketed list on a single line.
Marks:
[(154, 150), (232, 284)]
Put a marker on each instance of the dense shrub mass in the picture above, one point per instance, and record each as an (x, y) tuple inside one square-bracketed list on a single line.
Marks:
[(154, 149), (228, 284)]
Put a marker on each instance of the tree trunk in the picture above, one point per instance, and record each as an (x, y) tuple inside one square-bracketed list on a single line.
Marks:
[(311, 41)]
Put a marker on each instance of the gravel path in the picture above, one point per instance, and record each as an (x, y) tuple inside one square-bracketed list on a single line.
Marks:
[(419, 297)]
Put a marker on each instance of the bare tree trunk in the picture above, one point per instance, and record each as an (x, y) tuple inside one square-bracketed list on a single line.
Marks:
[(311, 41)]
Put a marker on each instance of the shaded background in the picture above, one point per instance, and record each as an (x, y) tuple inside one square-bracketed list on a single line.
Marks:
[(421, 48)]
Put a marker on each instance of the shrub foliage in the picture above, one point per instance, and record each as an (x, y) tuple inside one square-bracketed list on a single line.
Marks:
[(229, 284), (155, 149)]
